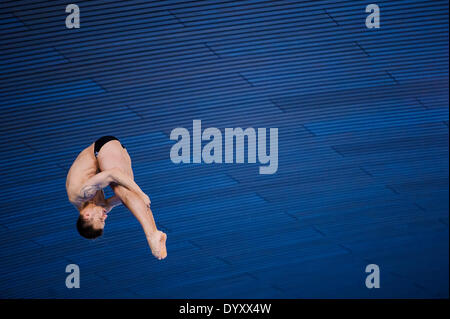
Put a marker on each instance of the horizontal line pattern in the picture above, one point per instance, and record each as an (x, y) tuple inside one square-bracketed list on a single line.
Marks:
[(363, 147)]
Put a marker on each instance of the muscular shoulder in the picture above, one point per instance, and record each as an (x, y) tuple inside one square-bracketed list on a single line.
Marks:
[(78, 196)]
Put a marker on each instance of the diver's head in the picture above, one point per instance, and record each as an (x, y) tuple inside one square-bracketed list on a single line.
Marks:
[(91, 221)]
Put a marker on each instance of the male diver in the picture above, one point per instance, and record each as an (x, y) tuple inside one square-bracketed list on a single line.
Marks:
[(107, 162)]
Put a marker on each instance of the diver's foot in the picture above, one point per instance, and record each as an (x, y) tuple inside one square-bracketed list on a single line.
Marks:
[(157, 242)]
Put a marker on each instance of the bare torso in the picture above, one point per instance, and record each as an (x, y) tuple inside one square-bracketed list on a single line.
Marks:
[(88, 175), (86, 165)]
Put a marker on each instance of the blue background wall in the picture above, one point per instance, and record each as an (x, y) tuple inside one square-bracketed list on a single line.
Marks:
[(363, 147)]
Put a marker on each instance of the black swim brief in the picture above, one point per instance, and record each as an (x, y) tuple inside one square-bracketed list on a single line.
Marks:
[(102, 141)]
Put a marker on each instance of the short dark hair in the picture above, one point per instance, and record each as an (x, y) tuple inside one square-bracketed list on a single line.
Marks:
[(87, 230)]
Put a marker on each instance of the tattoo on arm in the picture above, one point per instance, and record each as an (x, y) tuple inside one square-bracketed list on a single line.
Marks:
[(89, 191)]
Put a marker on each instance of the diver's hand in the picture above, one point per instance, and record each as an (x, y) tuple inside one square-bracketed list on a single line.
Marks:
[(146, 199)]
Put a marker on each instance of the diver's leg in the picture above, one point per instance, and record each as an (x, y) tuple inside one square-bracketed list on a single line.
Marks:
[(155, 238)]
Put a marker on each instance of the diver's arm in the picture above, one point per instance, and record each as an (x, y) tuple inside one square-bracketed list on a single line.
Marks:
[(103, 179), (112, 202)]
